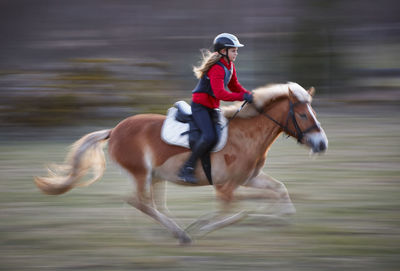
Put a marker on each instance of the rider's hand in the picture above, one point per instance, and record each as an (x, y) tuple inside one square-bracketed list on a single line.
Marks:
[(248, 97)]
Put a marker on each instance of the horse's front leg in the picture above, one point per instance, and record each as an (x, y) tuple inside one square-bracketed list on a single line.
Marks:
[(272, 188), (221, 218)]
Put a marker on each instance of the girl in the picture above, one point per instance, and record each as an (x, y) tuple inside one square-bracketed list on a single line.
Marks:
[(215, 73)]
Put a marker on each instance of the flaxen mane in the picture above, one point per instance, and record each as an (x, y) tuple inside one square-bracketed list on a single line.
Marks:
[(265, 95)]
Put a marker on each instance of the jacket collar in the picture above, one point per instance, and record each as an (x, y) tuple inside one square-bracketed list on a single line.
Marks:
[(223, 61)]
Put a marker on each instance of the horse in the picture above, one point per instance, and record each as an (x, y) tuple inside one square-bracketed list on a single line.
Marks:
[(135, 144)]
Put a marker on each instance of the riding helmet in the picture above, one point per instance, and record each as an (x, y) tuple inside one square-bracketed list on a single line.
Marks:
[(225, 40)]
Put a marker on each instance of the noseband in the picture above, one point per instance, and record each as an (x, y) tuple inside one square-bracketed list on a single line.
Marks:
[(298, 133)]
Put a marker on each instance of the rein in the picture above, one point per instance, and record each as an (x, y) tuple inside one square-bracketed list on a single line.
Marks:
[(298, 133), (234, 115)]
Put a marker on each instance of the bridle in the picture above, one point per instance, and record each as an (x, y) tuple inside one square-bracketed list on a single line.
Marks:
[(298, 133)]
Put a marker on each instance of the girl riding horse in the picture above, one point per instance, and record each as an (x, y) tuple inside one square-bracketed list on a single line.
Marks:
[(136, 145), (215, 74)]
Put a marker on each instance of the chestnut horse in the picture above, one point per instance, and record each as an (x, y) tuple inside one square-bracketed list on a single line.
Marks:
[(136, 145)]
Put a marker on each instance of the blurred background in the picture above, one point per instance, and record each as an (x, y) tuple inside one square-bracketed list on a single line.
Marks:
[(70, 67), (70, 62)]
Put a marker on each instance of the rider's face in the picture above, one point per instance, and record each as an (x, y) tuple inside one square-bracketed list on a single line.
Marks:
[(232, 53)]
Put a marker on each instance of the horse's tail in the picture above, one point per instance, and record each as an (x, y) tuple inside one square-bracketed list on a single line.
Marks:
[(85, 154)]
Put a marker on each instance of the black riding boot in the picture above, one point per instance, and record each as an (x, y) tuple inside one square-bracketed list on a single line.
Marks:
[(187, 171)]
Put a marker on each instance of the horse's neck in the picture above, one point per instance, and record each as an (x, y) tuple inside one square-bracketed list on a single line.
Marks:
[(278, 111), (259, 132)]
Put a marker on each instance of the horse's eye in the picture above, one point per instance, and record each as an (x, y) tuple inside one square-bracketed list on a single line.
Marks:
[(303, 116)]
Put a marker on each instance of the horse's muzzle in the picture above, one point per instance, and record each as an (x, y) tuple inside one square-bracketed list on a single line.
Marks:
[(317, 141)]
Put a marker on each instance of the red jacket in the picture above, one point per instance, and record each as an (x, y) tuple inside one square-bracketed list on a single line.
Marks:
[(216, 74)]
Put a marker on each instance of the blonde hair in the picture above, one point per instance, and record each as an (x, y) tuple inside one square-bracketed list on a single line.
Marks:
[(208, 59)]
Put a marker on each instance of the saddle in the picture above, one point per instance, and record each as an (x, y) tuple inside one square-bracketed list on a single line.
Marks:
[(180, 129)]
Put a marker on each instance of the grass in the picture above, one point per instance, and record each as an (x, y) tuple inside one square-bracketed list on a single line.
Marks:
[(347, 211)]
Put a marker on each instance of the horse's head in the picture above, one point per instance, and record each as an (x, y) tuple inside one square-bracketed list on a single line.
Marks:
[(302, 122), (299, 119), (288, 106)]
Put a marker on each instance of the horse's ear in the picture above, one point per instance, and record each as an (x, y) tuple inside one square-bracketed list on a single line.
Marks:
[(311, 91), (292, 97)]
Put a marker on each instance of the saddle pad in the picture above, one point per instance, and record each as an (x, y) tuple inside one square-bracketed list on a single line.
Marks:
[(171, 131)]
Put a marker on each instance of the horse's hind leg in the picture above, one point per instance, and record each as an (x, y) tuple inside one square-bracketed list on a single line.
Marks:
[(158, 195), (162, 219), (274, 189), (145, 204)]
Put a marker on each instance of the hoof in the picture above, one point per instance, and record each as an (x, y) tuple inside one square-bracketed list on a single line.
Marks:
[(287, 209), (185, 240)]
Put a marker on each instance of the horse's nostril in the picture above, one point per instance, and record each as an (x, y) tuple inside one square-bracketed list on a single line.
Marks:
[(322, 146)]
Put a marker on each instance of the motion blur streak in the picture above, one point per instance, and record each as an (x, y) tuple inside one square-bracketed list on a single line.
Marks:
[(70, 67)]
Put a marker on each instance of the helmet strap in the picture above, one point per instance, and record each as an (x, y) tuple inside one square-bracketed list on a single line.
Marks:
[(225, 55)]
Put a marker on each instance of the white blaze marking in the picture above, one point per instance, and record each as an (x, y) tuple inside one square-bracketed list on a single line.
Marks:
[(313, 115)]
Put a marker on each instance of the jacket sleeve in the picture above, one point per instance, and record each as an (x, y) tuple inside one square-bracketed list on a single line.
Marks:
[(216, 75), (234, 84)]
